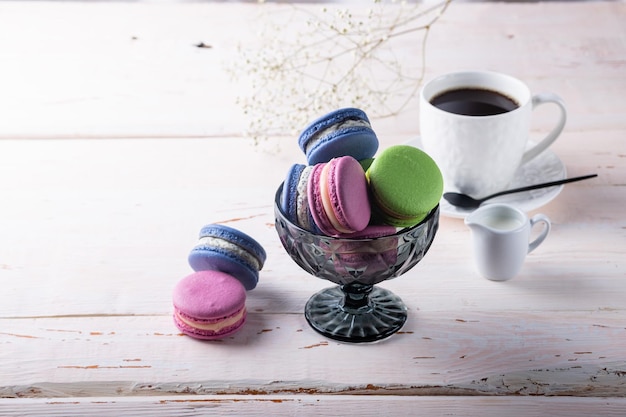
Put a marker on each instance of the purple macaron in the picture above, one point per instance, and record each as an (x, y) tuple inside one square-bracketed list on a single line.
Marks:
[(373, 249), (342, 132), (209, 305), (338, 196)]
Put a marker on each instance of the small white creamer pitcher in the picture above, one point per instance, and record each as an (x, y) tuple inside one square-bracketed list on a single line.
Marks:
[(501, 239)]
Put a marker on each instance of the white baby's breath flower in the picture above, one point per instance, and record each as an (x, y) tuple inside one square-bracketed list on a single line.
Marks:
[(338, 57)]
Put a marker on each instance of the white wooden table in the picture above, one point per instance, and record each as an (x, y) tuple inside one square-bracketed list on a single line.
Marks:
[(120, 139)]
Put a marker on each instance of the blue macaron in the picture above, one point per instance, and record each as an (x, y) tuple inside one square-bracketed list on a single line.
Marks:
[(288, 201), (342, 132), (229, 250), (294, 199)]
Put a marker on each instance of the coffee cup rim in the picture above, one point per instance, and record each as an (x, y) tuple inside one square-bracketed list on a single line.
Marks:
[(516, 89)]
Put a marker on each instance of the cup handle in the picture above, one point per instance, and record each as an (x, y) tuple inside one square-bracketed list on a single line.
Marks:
[(539, 218), (538, 100)]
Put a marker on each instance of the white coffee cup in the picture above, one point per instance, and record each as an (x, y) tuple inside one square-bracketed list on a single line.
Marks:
[(479, 154), (501, 239)]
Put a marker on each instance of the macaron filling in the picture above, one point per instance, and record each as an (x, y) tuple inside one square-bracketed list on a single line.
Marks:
[(395, 218), (333, 128), (230, 247), (302, 201), (212, 325)]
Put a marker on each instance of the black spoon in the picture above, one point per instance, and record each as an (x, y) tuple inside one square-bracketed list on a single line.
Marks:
[(465, 201)]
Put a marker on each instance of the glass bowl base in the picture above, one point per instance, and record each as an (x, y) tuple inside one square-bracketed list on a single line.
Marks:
[(369, 316)]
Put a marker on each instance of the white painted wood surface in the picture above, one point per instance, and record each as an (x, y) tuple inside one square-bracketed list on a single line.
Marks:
[(120, 139)]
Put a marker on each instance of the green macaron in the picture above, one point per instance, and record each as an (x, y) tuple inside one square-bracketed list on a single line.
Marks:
[(405, 183)]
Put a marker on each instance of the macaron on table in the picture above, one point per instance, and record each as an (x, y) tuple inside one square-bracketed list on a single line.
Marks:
[(354, 222), (210, 303)]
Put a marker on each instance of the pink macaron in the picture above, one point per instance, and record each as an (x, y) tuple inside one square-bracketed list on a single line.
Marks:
[(373, 249), (338, 196), (209, 305)]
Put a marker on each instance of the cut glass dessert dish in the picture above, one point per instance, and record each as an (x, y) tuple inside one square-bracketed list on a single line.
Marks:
[(356, 310)]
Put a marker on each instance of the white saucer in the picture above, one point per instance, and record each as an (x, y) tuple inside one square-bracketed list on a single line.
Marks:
[(544, 168)]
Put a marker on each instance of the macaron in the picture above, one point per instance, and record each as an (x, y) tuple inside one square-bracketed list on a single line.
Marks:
[(374, 231), (294, 201), (365, 163), (229, 250), (405, 185), (338, 196), (372, 250), (342, 132), (209, 305)]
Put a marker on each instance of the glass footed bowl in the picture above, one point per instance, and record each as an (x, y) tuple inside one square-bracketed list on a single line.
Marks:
[(356, 310)]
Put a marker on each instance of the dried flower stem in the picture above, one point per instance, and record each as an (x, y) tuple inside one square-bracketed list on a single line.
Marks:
[(339, 58)]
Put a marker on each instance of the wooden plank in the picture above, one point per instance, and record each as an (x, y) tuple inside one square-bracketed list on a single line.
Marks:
[(105, 226), (134, 71), (303, 405), (125, 75), (443, 353)]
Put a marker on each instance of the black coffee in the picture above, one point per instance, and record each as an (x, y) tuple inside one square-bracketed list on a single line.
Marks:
[(474, 102)]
